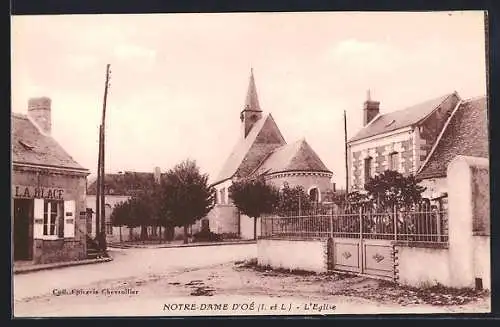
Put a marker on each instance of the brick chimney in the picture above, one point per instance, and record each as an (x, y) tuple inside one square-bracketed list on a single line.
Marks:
[(39, 113), (370, 109), (157, 175)]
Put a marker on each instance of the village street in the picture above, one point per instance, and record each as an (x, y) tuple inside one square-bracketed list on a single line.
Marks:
[(209, 280)]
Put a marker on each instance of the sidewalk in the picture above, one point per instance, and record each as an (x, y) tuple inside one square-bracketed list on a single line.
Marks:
[(174, 244), (26, 268)]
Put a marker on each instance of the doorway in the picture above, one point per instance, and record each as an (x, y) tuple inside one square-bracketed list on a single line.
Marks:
[(23, 229)]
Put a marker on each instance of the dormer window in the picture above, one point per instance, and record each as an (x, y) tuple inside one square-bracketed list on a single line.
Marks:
[(26, 145)]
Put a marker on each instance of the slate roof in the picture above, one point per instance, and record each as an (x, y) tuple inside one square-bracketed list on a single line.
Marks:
[(128, 183), (399, 119), (30, 146), (263, 138), (298, 156), (466, 134)]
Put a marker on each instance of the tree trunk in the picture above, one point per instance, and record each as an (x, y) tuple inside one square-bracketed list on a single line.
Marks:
[(121, 234), (144, 233), (130, 236), (185, 234), (159, 234), (255, 228)]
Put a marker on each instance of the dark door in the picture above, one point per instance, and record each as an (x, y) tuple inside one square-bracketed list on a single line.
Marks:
[(205, 227), (23, 229)]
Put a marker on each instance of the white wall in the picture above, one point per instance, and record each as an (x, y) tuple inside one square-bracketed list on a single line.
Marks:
[(422, 266), (293, 254), (246, 227)]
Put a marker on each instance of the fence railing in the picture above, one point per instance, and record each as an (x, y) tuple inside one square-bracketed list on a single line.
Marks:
[(411, 226)]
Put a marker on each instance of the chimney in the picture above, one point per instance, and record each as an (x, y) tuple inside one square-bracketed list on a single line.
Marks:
[(370, 109), (39, 113), (157, 175)]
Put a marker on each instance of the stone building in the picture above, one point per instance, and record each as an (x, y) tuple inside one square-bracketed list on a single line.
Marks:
[(261, 150), (399, 140), (464, 134), (118, 188), (48, 191)]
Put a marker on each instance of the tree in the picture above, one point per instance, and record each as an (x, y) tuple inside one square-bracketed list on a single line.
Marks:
[(186, 195), (391, 188), (293, 200), (253, 197)]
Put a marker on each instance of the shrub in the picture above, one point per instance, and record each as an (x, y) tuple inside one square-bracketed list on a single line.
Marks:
[(206, 236)]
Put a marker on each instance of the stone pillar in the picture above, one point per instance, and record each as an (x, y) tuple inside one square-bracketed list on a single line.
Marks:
[(461, 212)]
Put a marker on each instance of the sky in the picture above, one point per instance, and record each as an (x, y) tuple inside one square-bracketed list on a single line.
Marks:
[(179, 81)]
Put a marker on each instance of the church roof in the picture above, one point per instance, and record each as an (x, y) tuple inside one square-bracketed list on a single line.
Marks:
[(466, 133), (249, 151), (399, 119), (30, 146), (298, 156)]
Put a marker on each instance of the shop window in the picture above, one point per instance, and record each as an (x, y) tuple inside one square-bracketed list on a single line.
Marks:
[(53, 219)]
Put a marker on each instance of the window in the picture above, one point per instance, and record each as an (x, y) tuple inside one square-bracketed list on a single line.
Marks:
[(223, 196), (368, 169), (314, 194), (394, 161), (109, 228), (53, 219)]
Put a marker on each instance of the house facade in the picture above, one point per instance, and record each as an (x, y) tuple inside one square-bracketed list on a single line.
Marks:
[(261, 150), (48, 191), (119, 188), (399, 140), (465, 134)]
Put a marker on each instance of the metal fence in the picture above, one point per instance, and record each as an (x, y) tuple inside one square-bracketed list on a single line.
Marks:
[(412, 226)]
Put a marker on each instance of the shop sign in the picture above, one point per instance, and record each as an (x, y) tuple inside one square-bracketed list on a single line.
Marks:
[(33, 192)]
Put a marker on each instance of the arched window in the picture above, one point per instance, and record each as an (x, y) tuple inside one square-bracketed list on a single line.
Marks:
[(314, 194)]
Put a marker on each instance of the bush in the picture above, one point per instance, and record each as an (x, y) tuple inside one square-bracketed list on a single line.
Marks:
[(229, 236), (206, 236)]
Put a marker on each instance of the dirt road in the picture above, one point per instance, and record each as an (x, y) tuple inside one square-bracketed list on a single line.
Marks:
[(236, 289)]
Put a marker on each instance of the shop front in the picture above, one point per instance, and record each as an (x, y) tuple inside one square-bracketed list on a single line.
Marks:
[(49, 215)]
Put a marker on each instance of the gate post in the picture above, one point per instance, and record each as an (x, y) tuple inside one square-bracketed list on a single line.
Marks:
[(395, 221)]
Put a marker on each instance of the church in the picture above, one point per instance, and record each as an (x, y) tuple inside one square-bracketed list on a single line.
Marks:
[(261, 150)]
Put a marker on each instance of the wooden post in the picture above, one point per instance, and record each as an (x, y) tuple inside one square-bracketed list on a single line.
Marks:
[(395, 212)]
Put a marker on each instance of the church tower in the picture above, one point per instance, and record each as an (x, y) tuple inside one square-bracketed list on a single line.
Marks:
[(251, 113)]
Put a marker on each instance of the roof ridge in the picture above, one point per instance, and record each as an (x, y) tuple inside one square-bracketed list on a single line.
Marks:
[(434, 146)]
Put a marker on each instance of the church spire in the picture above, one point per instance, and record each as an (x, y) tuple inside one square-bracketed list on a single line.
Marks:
[(252, 100), (252, 112)]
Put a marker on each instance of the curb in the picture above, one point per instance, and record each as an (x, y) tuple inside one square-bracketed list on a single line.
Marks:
[(59, 265), (178, 245)]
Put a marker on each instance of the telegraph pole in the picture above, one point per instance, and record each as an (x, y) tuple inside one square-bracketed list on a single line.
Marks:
[(346, 159), (101, 167)]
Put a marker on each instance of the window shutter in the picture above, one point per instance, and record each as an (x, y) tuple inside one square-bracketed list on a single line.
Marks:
[(69, 218), (38, 219)]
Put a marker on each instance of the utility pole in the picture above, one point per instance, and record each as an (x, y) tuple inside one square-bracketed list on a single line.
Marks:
[(98, 192), (101, 166), (346, 159)]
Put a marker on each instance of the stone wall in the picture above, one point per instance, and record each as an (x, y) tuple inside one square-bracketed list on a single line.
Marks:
[(321, 181)]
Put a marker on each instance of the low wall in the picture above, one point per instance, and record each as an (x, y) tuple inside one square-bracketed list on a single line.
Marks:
[(418, 266), (482, 263), (246, 227), (309, 255)]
